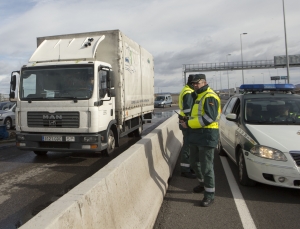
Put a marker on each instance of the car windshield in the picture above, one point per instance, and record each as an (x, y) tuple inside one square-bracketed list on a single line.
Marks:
[(160, 98), (56, 82), (272, 111), (6, 105)]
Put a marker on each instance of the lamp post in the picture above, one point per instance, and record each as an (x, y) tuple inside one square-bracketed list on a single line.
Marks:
[(242, 54), (286, 50), (263, 77), (227, 74)]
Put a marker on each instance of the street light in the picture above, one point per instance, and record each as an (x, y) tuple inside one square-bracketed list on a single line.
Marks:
[(263, 77), (242, 54), (227, 73), (286, 50)]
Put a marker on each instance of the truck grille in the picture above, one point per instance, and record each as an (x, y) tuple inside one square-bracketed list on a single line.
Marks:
[(296, 156), (53, 120)]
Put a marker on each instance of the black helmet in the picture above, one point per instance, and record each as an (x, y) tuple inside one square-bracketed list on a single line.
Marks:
[(190, 78)]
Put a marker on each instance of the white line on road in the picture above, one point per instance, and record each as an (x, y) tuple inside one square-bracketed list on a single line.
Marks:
[(240, 203)]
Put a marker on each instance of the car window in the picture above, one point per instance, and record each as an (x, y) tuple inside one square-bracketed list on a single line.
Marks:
[(277, 110), (229, 106)]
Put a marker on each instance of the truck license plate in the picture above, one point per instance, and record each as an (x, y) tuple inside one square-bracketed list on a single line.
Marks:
[(52, 138)]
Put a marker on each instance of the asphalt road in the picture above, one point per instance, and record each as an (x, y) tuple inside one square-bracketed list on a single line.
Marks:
[(235, 206), (29, 183)]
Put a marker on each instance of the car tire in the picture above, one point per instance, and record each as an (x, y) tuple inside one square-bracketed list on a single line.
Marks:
[(8, 123), (221, 150), (111, 143), (40, 153), (243, 174), (164, 106)]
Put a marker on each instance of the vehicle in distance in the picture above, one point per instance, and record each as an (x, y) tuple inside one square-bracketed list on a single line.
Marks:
[(7, 114), (163, 101), (260, 131)]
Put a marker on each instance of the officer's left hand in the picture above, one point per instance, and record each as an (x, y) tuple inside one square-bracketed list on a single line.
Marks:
[(183, 124)]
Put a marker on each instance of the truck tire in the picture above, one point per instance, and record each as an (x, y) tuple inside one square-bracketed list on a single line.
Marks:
[(138, 131), (111, 143), (243, 175), (8, 123), (40, 153)]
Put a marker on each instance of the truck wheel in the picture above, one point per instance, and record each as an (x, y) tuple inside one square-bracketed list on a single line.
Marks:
[(243, 175), (7, 123), (40, 153), (138, 132), (111, 143)]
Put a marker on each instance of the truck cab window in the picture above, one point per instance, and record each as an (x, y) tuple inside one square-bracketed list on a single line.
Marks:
[(102, 83)]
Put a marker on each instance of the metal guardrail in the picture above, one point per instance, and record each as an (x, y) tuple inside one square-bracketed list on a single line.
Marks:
[(228, 66)]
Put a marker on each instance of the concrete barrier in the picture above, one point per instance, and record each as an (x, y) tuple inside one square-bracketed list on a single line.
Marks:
[(126, 193)]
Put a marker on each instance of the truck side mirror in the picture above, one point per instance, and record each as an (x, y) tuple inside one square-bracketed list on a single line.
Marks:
[(13, 83), (110, 79)]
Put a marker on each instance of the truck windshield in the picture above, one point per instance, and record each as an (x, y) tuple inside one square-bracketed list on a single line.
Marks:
[(273, 111), (56, 82)]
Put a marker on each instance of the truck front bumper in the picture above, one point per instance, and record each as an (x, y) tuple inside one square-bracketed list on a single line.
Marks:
[(60, 142)]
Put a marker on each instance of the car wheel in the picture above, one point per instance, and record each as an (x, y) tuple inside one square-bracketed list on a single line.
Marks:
[(170, 104), (40, 153), (111, 143), (221, 150), (164, 106), (7, 123), (243, 175)]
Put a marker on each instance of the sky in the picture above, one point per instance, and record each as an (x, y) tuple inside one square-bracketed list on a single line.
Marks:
[(174, 32)]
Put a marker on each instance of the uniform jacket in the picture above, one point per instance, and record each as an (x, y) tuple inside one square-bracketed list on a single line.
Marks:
[(203, 128)]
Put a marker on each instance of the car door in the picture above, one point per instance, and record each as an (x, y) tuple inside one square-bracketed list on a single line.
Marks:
[(232, 127), (223, 122)]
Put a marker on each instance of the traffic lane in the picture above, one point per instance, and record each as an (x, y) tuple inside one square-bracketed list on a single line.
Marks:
[(29, 183), (270, 206), (181, 207)]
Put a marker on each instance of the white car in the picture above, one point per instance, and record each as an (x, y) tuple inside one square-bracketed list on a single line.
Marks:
[(7, 114), (260, 131)]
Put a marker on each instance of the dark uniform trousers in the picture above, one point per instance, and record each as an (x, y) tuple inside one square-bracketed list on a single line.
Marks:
[(202, 162), (185, 153)]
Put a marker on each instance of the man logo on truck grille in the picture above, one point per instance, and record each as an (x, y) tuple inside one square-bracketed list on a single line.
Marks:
[(53, 117)]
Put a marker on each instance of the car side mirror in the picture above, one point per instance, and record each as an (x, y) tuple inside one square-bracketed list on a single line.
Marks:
[(231, 117)]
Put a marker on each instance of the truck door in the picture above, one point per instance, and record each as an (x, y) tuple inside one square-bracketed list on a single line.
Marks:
[(106, 112)]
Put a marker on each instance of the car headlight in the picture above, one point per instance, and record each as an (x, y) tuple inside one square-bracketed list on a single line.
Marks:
[(267, 152)]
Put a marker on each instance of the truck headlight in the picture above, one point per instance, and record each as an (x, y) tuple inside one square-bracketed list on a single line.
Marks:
[(267, 152)]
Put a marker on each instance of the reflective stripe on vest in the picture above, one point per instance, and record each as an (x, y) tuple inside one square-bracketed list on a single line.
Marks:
[(184, 91), (198, 113)]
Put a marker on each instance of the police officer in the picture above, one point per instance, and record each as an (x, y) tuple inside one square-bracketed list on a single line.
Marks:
[(204, 137), (185, 104)]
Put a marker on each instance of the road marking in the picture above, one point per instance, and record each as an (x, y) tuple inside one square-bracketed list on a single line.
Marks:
[(240, 203)]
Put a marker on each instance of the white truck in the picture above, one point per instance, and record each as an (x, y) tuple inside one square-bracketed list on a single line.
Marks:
[(82, 92)]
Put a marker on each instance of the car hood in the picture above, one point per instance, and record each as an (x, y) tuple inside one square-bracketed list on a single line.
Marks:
[(284, 138), (2, 111)]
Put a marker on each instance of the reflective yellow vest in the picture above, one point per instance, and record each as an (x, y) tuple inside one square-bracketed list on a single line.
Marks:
[(184, 91), (198, 113)]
